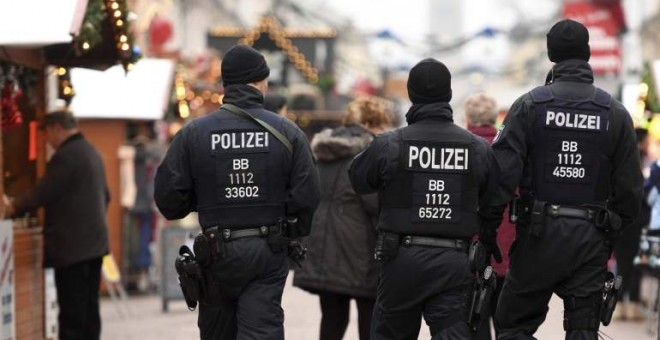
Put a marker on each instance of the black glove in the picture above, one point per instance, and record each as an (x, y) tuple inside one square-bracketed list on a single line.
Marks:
[(489, 240)]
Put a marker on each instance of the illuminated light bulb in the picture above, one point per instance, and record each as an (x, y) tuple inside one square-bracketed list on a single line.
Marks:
[(67, 91), (123, 38), (114, 5), (129, 66), (117, 13), (184, 111), (119, 23), (180, 92), (61, 71), (124, 47), (85, 46)]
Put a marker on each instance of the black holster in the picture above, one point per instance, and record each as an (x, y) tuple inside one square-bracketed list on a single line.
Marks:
[(484, 286), (610, 297), (191, 279), (387, 246), (609, 222)]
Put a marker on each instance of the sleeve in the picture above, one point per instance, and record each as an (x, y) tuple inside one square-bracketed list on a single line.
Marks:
[(626, 178), (510, 153), (490, 217), (368, 167), (174, 187), (304, 187), (49, 188)]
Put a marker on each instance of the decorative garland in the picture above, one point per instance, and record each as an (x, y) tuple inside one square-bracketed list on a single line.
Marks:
[(118, 12), (65, 89), (90, 32), (270, 25), (92, 29)]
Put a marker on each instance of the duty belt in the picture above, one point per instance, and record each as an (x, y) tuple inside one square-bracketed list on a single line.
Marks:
[(434, 242), (554, 210), (231, 234)]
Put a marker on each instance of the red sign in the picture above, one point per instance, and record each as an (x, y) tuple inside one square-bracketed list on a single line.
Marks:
[(603, 34)]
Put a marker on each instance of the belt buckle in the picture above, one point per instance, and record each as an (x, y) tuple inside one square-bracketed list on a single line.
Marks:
[(554, 210), (407, 241), (226, 234), (264, 230)]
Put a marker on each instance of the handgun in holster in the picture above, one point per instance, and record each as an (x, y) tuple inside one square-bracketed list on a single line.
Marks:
[(190, 277), (484, 285), (290, 235), (610, 297), (297, 252)]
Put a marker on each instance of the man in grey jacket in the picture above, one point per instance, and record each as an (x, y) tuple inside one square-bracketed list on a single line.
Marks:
[(75, 195)]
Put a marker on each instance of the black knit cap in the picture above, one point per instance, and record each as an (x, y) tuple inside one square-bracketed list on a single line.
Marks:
[(568, 39), (428, 82), (243, 65)]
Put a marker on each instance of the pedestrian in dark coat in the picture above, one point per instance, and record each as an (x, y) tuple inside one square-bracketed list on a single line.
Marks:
[(340, 264), (75, 195)]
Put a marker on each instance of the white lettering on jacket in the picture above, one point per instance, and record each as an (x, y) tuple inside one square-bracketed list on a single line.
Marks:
[(432, 158), (239, 140), (578, 121)]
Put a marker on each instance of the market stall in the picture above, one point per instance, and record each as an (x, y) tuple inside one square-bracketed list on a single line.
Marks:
[(69, 33)]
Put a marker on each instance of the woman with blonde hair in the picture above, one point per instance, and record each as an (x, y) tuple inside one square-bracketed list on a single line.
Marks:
[(340, 264)]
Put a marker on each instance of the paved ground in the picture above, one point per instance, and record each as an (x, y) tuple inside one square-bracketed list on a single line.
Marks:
[(147, 322)]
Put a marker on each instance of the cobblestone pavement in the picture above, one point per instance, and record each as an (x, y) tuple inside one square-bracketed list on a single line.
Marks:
[(147, 321)]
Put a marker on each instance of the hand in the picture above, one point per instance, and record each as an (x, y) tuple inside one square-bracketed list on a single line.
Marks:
[(489, 240)]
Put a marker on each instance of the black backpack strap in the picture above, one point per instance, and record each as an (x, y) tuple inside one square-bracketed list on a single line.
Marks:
[(602, 98), (541, 94), (244, 114)]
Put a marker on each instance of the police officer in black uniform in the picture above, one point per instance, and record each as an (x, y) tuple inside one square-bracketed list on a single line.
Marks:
[(245, 182), (431, 177), (570, 148)]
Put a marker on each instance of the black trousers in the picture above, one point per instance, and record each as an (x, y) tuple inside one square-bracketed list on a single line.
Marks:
[(569, 258), (252, 280), (335, 310), (78, 298), (432, 282)]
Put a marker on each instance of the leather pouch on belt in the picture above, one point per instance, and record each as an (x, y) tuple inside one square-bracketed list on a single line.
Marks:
[(387, 246), (537, 218), (277, 242)]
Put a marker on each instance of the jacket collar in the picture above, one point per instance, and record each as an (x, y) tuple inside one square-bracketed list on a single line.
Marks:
[(573, 70), (71, 138), (243, 96), (435, 111)]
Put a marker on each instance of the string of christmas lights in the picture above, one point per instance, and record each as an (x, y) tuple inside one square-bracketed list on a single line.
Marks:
[(65, 90), (118, 13)]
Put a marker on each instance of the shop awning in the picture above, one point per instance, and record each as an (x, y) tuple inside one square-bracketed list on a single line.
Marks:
[(143, 94), (36, 23)]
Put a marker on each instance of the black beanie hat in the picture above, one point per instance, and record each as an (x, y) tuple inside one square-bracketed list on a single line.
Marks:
[(568, 39), (429, 82), (242, 65)]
